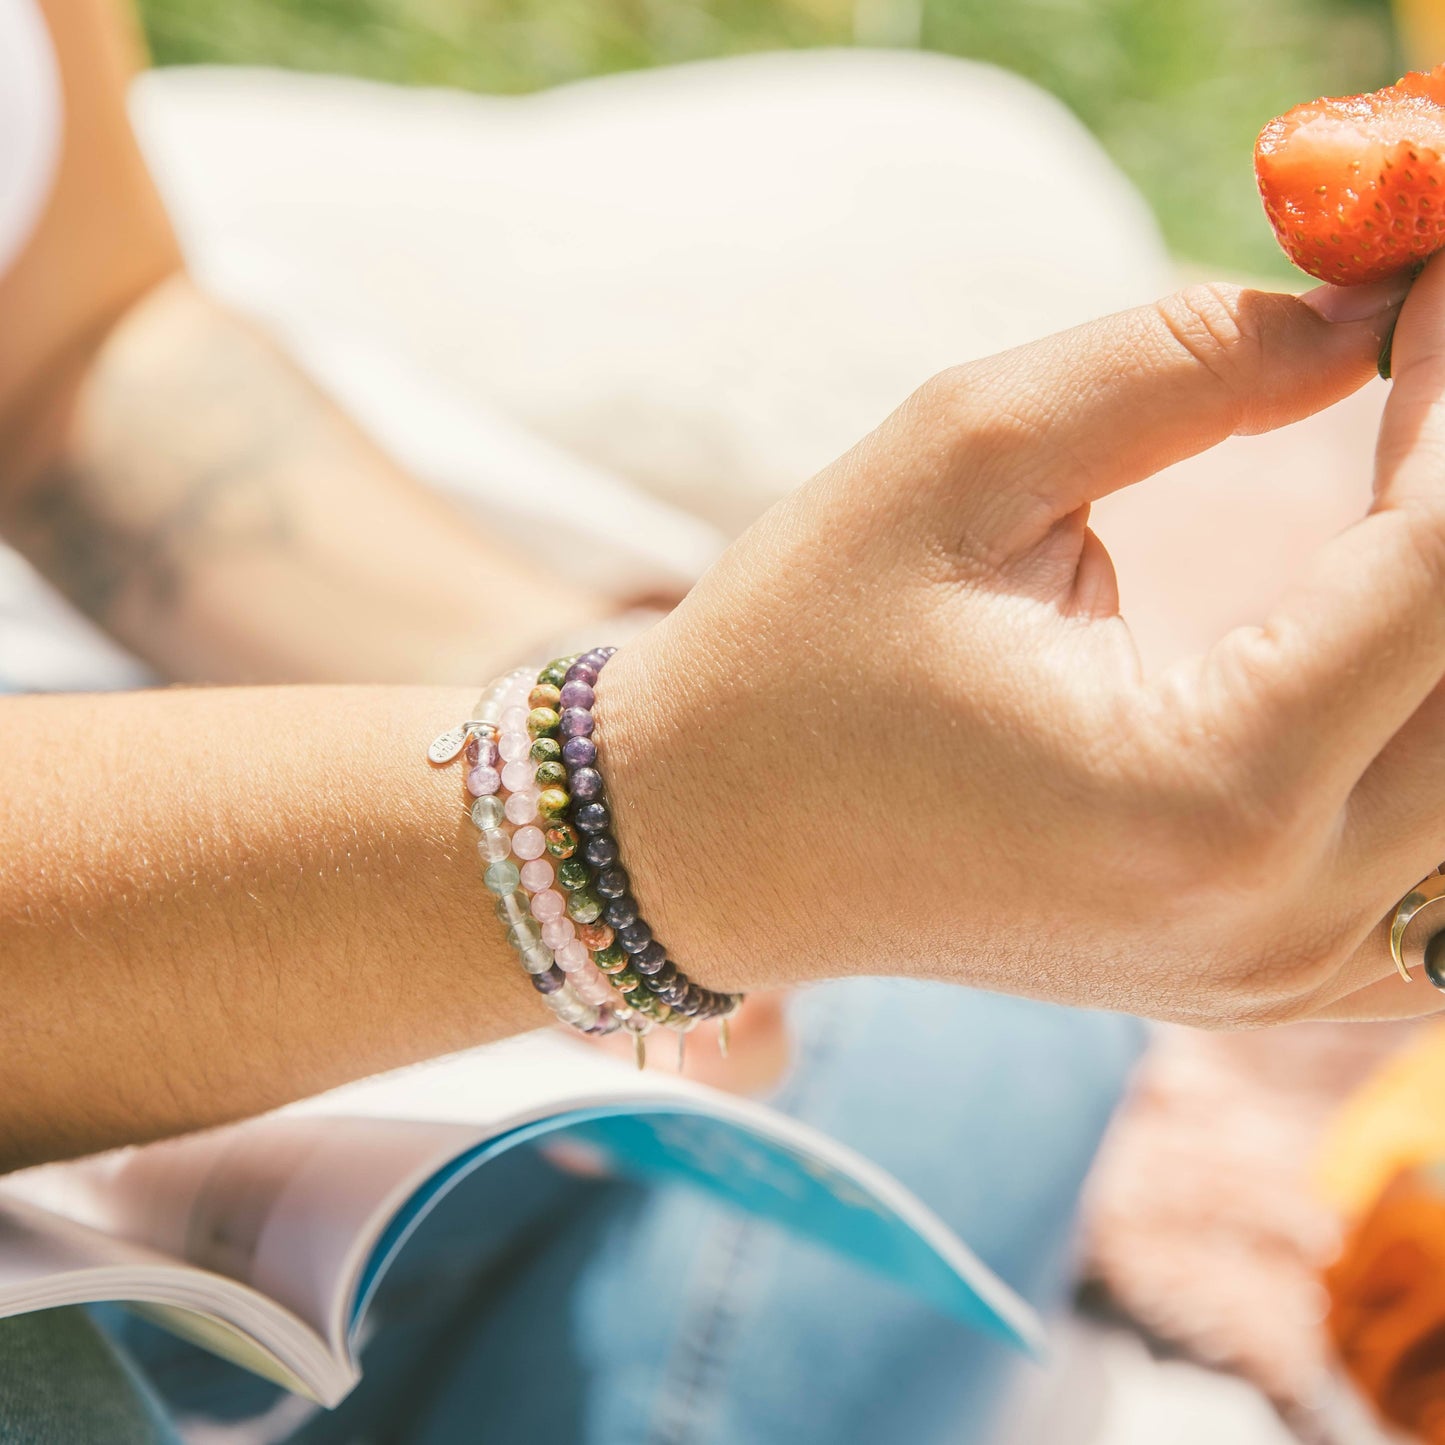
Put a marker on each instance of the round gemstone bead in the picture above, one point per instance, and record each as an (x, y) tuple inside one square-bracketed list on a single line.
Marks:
[(502, 876), (514, 747), (536, 875), (536, 957), (584, 907), (522, 807), (569, 1008), (528, 843), (586, 784), (572, 956), (610, 959), (561, 840), (547, 905), (612, 882), (494, 845), (575, 722), (577, 694), (512, 908), (1435, 961), (619, 912), (546, 750), (595, 935), (664, 978), (542, 721), (482, 752), (573, 874), (596, 990), (591, 818), (551, 775), (543, 695), (555, 673), (483, 782), (514, 720), (524, 933), (582, 671), (550, 981), (634, 936), (650, 960), (627, 981), (600, 850), (558, 932), (488, 812), (552, 804), (579, 752), (519, 775)]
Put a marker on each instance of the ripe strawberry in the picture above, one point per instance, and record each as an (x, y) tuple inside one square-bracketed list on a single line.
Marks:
[(1355, 186)]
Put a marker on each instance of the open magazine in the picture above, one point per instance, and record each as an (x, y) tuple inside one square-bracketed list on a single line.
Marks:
[(265, 1241)]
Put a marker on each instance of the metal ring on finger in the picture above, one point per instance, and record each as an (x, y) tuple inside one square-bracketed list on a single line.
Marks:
[(1425, 894)]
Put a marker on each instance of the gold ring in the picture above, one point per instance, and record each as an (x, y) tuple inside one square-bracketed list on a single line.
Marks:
[(1429, 890)]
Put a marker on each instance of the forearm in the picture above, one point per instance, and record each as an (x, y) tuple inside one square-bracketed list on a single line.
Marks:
[(196, 495), (212, 902)]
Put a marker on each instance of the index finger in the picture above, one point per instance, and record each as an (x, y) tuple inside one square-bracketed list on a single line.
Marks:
[(1355, 648)]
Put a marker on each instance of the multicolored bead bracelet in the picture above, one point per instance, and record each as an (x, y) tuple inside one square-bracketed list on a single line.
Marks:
[(550, 857), (584, 1003)]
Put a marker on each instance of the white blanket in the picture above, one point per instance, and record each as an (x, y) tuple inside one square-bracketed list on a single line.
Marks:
[(668, 296)]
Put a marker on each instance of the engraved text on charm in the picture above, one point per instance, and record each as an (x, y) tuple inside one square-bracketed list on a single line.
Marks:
[(449, 744)]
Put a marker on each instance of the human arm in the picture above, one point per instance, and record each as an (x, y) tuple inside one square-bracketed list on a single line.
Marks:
[(216, 900), (899, 729), (176, 475)]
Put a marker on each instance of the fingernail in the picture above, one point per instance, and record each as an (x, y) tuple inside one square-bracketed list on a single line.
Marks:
[(1358, 303)]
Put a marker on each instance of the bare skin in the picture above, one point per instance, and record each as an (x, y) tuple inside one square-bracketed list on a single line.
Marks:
[(257, 893), (902, 726)]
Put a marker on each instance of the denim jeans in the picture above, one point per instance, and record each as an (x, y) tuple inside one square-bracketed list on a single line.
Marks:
[(535, 1308)]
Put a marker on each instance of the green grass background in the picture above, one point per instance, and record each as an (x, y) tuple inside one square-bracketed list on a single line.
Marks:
[(1175, 89)]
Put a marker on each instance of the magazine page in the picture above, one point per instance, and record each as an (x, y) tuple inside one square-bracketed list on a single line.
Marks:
[(602, 1116), (310, 1204), (47, 1262), (286, 1205)]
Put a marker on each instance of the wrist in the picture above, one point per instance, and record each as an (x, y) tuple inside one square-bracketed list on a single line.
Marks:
[(680, 828)]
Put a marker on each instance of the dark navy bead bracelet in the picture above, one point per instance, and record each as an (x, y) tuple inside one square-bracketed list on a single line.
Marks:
[(658, 988)]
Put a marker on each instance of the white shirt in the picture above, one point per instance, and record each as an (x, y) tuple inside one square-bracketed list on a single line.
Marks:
[(30, 123)]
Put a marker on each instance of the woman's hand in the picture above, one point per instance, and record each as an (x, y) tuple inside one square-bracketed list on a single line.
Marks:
[(902, 727)]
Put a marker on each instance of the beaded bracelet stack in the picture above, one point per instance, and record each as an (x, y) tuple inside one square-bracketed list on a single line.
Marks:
[(553, 861)]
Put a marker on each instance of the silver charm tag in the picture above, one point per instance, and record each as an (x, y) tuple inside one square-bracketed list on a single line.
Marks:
[(449, 744)]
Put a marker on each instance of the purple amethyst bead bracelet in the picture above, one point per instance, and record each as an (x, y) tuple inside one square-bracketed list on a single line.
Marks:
[(637, 962)]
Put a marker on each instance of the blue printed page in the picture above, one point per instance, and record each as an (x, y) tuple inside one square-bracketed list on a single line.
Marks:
[(765, 1165)]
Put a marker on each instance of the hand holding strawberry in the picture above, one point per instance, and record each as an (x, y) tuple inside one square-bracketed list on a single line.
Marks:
[(902, 727)]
